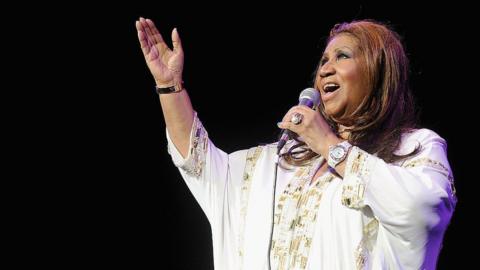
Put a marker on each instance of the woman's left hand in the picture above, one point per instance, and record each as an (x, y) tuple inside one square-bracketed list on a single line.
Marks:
[(313, 129)]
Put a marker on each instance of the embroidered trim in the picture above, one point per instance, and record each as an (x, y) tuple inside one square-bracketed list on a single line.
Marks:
[(295, 215), (436, 165), (198, 149), (252, 157), (357, 172), (366, 244)]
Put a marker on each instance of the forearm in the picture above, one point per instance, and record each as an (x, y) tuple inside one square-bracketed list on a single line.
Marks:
[(178, 114)]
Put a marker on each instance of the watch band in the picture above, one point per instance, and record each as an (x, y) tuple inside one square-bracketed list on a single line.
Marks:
[(170, 89)]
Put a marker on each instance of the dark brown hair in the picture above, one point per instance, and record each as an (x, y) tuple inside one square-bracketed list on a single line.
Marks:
[(388, 112)]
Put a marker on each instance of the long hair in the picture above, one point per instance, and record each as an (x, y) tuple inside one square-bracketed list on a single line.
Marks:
[(388, 112)]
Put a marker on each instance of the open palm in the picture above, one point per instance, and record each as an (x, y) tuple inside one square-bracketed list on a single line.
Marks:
[(166, 65)]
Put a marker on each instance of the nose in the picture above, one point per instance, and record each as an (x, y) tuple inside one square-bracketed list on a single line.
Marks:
[(327, 69)]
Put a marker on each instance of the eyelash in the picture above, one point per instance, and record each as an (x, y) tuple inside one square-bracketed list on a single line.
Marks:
[(339, 55), (342, 54)]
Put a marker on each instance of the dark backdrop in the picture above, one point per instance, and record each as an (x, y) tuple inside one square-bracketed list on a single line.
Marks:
[(120, 200)]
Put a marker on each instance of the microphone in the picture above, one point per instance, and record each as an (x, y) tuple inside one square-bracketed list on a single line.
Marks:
[(309, 97)]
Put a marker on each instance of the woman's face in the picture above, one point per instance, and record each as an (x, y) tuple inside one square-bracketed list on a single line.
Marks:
[(341, 78)]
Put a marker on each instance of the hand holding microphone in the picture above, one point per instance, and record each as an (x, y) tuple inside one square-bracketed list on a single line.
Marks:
[(307, 123), (308, 97)]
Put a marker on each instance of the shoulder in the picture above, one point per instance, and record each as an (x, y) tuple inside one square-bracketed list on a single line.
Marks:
[(423, 137)]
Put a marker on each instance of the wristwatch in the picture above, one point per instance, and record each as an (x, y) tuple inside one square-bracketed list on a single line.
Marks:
[(337, 153), (177, 87)]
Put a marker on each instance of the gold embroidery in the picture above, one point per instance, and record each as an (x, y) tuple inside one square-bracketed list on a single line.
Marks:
[(352, 194), (198, 149), (295, 217), (356, 172), (433, 164), (366, 244), (252, 157), (427, 162), (356, 163)]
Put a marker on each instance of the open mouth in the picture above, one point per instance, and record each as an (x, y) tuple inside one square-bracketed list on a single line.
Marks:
[(330, 87)]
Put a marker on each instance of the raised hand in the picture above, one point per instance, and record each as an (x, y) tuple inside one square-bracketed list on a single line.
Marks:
[(166, 65)]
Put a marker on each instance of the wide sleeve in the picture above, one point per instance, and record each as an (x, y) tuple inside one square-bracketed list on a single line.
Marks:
[(407, 199), (205, 169)]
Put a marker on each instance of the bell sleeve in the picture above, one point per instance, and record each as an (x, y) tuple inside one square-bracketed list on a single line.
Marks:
[(412, 201), (205, 170)]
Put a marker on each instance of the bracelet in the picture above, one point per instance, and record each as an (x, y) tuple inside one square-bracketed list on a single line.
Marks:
[(170, 89)]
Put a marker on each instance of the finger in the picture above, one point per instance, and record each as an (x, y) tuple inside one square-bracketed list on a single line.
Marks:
[(291, 112), (156, 34), (177, 43), (138, 25), (304, 108), (142, 38), (143, 43), (288, 125), (157, 37), (148, 33), (301, 109), (147, 29), (154, 37), (141, 28)]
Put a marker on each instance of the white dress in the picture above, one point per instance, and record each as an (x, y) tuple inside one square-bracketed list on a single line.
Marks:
[(379, 216)]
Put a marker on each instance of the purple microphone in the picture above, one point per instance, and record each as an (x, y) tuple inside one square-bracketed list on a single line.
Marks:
[(309, 97)]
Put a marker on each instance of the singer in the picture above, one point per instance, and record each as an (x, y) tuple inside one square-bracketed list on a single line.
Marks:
[(353, 183)]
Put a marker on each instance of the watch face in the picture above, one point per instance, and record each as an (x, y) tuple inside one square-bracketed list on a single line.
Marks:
[(338, 152)]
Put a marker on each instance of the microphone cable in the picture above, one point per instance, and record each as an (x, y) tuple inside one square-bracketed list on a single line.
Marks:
[(273, 208)]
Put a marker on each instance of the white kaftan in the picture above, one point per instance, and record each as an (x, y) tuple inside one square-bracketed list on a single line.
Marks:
[(379, 216)]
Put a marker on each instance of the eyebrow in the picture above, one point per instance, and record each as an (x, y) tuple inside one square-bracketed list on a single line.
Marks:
[(338, 49)]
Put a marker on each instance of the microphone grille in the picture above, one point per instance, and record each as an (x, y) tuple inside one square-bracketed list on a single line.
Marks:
[(311, 94)]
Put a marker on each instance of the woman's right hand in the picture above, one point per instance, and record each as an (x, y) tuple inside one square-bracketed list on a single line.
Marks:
[(166, 65)]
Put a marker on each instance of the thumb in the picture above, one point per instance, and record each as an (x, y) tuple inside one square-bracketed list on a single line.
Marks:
[(177, 43)]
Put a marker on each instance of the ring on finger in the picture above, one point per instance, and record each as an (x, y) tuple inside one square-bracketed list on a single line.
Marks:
[(296, 118)]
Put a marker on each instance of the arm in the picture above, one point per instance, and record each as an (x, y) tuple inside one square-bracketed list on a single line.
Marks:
[(411, 190), (204, 167), (390, 190), (166, 67), (413, 202)]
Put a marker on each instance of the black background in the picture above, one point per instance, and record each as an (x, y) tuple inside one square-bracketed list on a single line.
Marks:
[(112, 196)]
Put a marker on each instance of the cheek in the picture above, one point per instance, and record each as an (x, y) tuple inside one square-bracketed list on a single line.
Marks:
[(357, 89), (356, 93), (352, 74)]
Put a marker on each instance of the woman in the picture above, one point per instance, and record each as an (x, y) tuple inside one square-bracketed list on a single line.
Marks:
[(359, 186)]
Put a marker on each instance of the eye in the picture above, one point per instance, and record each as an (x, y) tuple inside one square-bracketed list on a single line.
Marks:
[(342, 55), (323, 61)]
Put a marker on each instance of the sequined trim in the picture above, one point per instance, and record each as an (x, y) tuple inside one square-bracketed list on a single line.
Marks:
[(198, 149), (295, 217), (366, 244), (436, 165), (357, 172), (252, 157)]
